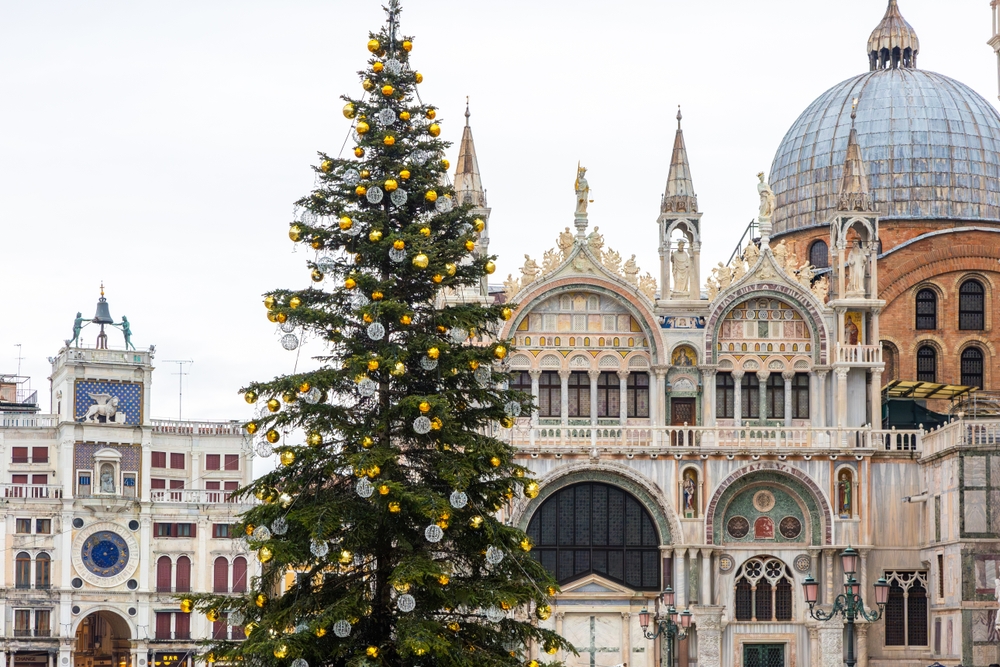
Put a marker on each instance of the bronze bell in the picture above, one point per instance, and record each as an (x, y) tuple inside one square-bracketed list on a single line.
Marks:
[(103, 315)]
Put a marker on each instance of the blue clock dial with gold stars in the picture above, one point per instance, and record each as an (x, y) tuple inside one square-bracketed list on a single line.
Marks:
[(105, 553)]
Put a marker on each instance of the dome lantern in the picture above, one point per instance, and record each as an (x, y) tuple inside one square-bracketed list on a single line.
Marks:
[(893, 43)]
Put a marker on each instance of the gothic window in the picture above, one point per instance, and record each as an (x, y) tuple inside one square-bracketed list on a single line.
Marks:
[(906, 609), (596, 528), (549, 399), (800, 396), (724, 395), (819, 254), (579, 394), (638, 394), (775, 396), (926, 309), (972, 367), (608, 395), (764, 590), (971, 306), (926, 364), (750, 388)]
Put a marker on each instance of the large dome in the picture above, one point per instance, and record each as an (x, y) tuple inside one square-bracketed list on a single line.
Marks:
[(930, 146)]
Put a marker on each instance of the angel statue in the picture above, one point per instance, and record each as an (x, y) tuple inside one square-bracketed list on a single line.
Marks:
[(582, 191), (766, 198), (551, 261), (105, 405), (566, 242)]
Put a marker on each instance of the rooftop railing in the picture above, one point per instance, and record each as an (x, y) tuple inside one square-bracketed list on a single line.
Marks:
[(27, 420), (962, 433), (196, 427)]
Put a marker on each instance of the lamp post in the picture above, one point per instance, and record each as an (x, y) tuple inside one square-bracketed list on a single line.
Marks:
[(849, 604), (667, 623)]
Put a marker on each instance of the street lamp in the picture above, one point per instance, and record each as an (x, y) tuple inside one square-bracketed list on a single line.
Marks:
[(671, 624), (849, 604)]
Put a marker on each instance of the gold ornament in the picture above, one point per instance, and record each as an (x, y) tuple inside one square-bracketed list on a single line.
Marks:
[(495, 461), (362, 127), (437, 278), (398, 369), (445, 163), (450, 268), (526, 546), (295, 232), (373, 472), (280, 651), (377, 296), (434, 129), (551, 590), (326, 166), (424, 406), (443, 579), (479, 225), (532, 663), (265, 554), (405, 174), (394, 507), (251, 428), (287, 457), (367, 442), (284, 500), (387, 90), (289, 397), (476, 522), (473, 364), (389, 140), (210, 658), (320, 632), (375, 236), (470, 245), (506, 314), (360, 190), (271, 316), (390, 185), (365, 173), (431, 195), (404, 115), (274, 405), (426, 231), (399, 244), (349, 110), (250, 527), (499, 352), (436, 424), (350, 283), (430, 113), (433, 353), (490, 267), (454, 627), (187, 605), (346, 223), (272, 436), (372, 651), (507, 422), (346, 557), (304, 386), (418, 77), (384, 489), (294, 303), (250, 396), (442, 523), (281, 317), (407, 45), (316, 275), (270, 302), (551, 648), (373, 45), (378, 67), (260, 600), (359, 151), (405, 320), (531, 490), (373, 364), (420, 261), (367, 317)]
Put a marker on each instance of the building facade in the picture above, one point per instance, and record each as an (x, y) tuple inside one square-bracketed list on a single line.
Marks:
[(106, 515), (727, 441)]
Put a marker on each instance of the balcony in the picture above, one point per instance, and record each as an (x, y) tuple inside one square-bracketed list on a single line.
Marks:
[(196, 427), (95, 356), (962, 433), (27, 420), (30, 491), (859, 355), (198, 496)]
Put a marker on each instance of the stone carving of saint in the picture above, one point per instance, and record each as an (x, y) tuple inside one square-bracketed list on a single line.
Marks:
[(631, 270), (751, 254), (722, 275), (806, 274), (582, 191), (107, 479), (766, 198), (791, 260), (712, 287), (781, 254), (529, 271), (856, 262), (596, 242), (680, 267), (565, 242), (821, 288), (689, 494), (739, 270)]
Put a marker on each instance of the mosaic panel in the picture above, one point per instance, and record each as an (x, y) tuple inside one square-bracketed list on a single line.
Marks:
[(103, 401), (779, 507), (83, 455)]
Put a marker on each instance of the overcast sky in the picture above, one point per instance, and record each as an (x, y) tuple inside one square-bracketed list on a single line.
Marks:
[(158, 146)]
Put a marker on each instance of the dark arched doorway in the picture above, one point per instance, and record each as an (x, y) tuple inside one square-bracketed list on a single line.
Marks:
[(103, 639)]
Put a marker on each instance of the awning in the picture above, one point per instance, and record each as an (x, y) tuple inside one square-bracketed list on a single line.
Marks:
[(924, 390)]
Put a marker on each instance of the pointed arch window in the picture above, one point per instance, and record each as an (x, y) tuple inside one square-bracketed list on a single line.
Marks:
[(971, 306), (595, 528), (764, 590), (926, 364), (906, 609), (972, 367), (926, 309)]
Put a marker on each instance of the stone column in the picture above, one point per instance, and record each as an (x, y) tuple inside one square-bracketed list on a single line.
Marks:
[(814, 656), (738, 396), (560, 615), (788, 376), (861, 634), (658, 400), (876, 392), (813, 402), (814, 563), (146, 466), (708, 620), (708, 396), (829, 596), (536, 375), (691, 583), (706, 577), (564, 397), (762, 392), (694, 284), (626, 636), (841, 396), (623, 397), (831, 642), (863, 576), (594, 375), (821, 396), (680, 576), (145, 547)]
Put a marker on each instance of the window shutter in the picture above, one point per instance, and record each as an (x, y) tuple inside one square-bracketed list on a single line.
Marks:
[(182, 626), (221, 575), (240, 575), (18, 454), (211, 462), (159, 459), (163, 573), (177, 460), (183, 574), (163, 625), (232, 461), (39, 454)]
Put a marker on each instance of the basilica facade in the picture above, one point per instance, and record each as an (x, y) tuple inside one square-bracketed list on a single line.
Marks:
[(722, 435)]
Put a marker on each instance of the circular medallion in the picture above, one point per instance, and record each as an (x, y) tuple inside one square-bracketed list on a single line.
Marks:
[(763, 501), (105, 554), (790, 527), (738, 527), (726, 563), (802, 563)]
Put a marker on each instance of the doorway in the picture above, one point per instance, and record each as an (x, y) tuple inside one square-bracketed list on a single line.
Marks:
[(763, 655), (103, 639)]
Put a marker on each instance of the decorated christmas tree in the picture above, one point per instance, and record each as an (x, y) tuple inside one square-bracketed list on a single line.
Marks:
[(378, 536)]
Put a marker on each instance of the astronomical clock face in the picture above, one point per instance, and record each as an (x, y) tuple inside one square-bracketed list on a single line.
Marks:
[(105, 554)]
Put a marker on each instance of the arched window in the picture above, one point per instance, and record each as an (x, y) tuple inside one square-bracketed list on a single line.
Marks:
[(891, 358), (972, 367), (926, 364), (549, 390), (637, 387), (724, 395), (750, 386), (764, 590), (579, 394), (800, 396), (906, 609), (775, 396), (972, 306), (22, 570), (43, 571), (520, 381), (926, 309), (183, 575), (164, 570), (597, 528), (240, 575), (221, 575), (609, 395), (819, 254)]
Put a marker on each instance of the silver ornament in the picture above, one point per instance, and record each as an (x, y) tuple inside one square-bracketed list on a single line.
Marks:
[(261, 533), (406, 603), (376, 331), (320, 548), (422, 425), (443, 204), (398, 197), (458, 499), (236, 618), (394, 66), (397, 255), (374, 194), (483, 374), (287, 326), (458, 335), (512, 408), (301, 627), (428, 364), (494, 555), (364, 488), (352, 177), (342, 629), (326, 264), (289, 342), (313, 396), (367, 387), (300, 662), (433, 533), (359, 300), (387, 116), (279, 526), (308, 217), (264, 449), (353, 230), (495, 614)]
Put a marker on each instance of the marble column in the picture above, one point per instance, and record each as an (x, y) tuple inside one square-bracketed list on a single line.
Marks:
[(831, 642), (623, 397), (626, 637), (876, 399), (660, 373), (560, 615), (706, 577), (694, 596), (830, 595), (814, 656), (594, 376), (536, 375), (762, 392), (841, 396), (564, 397), (820, 396), (680, 577), (866, 595), (814, 563), (813, 399), (738, 397), (708, 396), (788, 376), (861, 636)]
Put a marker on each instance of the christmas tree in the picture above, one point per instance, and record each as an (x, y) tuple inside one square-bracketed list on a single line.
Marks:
[(385, 520)]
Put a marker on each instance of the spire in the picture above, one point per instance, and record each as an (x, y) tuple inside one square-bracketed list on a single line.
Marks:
[(855, 195), (468, 185), (893, 43), (679, 196)]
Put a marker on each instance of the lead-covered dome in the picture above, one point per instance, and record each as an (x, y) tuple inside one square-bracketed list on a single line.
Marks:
[(930, 145)]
